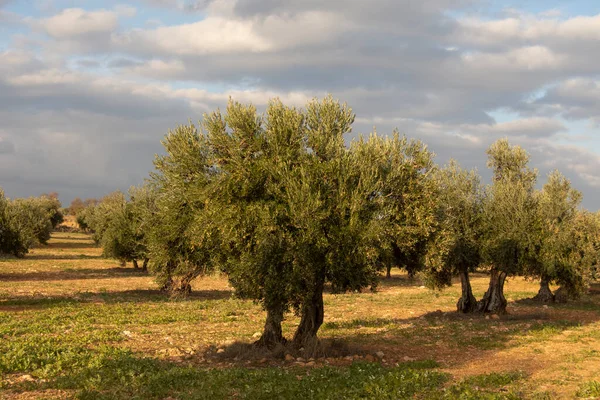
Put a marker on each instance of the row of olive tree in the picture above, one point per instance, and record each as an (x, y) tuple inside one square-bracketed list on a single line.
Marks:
[(513, 229), (27, 221), (285, 207)]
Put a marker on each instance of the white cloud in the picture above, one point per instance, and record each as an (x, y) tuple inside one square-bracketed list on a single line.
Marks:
[(74, 22)]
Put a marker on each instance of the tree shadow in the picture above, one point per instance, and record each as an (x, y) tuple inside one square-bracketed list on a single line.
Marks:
[(62, 257), (108, 297), (69, 245), (73, 274), (86, 239)]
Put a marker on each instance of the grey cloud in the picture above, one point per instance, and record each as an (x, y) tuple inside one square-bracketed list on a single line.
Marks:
[(400, 64), (6, 147)]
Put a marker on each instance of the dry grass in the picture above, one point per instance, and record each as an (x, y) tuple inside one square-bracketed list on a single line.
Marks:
[(557, 347)]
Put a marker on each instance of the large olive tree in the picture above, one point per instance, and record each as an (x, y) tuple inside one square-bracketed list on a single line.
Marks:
[(295, 208)]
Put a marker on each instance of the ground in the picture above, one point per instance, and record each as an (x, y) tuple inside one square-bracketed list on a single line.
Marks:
[(73, 324)]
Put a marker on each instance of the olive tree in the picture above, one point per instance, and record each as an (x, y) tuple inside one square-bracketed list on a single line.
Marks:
[(456, 248), (509, 219), (124, 236), (556, 211), (11, 241), (298, 209), (180, 251), (32, 218)]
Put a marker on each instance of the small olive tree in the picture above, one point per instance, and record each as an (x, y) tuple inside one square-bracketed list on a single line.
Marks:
[(11, 241), (32, 218)]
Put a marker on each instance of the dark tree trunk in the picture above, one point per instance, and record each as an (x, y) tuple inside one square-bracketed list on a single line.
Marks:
[(272, 333), (145, 265), (562, 295), (388, 273), (411, 272), (467, 302), (184, 287), (493, 300), (135, 264), (544, 295), (311, 319)]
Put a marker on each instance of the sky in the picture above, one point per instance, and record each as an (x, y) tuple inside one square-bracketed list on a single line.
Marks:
[(89, 88)]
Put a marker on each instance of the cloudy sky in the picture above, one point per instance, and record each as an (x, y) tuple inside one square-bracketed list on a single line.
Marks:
[(88, 88)]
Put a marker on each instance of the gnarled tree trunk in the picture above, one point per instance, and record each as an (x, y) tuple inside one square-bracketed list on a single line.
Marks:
[(272, 333), (145, 265), (544, 295), (493, 300), (467, 302), (312, 317), (388, 272), (135, 264)]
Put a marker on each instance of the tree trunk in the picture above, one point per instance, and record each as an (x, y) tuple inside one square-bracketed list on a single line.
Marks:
[(411, 272), (311, 319), (467, 302), (562, 295), (493, 300), (135, 264), (272, 333), (388, 273), (145, 265), (544, 295)]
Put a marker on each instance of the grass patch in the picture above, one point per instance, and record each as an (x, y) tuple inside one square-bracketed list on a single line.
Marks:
[(589, 389)]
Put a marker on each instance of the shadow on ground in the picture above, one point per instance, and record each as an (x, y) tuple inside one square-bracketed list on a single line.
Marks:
[(73, 274), (21, 303)]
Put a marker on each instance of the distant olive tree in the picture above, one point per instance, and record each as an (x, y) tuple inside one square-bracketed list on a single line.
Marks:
[(32, 218)]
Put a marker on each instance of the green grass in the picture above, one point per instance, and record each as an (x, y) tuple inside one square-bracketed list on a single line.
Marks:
[(118, 374), (589, 389)]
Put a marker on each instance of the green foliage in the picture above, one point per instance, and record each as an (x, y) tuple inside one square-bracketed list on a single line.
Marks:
[(457, 244), (510, 208), (32, 218), (590, 389), (124, 233), (11, 241), (179, 231), (53, 207), (559, 253)]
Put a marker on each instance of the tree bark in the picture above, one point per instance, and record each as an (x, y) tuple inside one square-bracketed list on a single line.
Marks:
[(312, 317), (544, 295), (467, 302), (493, 300), (388, 273), (272, 333), (145, 265), (135, 264)]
